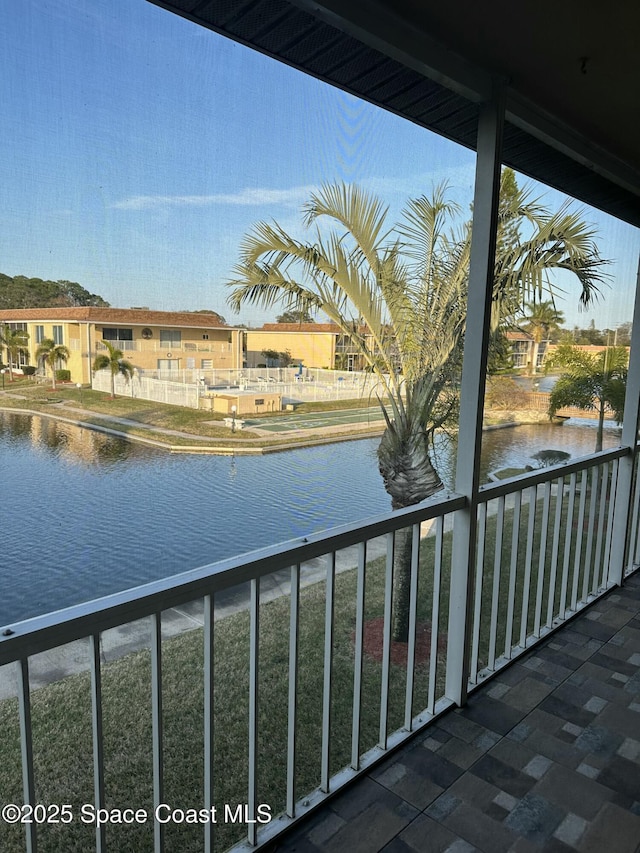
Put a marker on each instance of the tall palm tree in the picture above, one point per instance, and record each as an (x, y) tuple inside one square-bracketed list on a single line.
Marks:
[(15, 341), (51, 354), (590, 382), (406, 286), (541, 319), (114, 361)]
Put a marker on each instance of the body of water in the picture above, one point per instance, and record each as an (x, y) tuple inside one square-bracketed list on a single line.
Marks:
[(86, 514)]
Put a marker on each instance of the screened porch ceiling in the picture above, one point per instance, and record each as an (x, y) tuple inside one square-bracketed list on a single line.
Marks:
[(573, 74)]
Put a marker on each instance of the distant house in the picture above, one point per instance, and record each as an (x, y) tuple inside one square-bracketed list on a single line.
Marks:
[(150, 340), (321, 345), (524, 350)]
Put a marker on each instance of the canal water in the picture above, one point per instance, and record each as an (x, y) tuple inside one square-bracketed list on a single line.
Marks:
[(84, 514)]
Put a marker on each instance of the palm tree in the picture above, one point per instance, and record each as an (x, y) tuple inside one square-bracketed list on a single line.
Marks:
[(15, 340), (590, 382), (114, 361), (51, 354), (540, 320), (406, 286)]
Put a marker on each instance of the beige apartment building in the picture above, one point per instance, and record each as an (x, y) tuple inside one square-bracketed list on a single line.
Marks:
[(150, 340), (321, 345)]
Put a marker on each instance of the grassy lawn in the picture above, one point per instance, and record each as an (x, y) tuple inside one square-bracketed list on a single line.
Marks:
[(61, 712), (89, 405)]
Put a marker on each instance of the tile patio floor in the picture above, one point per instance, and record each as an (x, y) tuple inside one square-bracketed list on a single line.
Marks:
[(545, 757)]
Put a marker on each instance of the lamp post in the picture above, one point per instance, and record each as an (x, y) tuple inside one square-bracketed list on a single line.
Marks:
[(3, 371), (233, 418), (79, 387)]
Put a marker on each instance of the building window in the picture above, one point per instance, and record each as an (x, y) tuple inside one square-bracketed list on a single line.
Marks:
[(205, 337), (39, 334), (58, 337), (206, 364), (191, 363), (117, 334), (170, 338)]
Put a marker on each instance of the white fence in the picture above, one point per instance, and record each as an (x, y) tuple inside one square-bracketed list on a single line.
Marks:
[(184, 387), (148, 388)]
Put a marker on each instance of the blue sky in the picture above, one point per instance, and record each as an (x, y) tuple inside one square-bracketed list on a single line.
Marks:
[(138, 149)]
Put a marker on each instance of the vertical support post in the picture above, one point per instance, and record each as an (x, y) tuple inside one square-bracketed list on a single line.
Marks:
[(629, 439), (26, 750), (483, 246), (97, 737), (208, 687), (156, 727), (254, 643)]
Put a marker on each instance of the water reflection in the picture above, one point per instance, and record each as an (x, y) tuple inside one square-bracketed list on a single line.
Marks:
[(77, 445), (91, 514)]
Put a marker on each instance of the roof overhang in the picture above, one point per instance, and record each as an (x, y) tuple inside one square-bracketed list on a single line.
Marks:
[(572, 74)]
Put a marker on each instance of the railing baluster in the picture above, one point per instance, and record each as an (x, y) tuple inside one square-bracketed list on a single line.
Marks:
[(542, 558), (555, 550), (97, 736), (328, 672), (357, 658), (386, 638), (294, 631), (26, 750), (495, 597), (604, 488), (578, 553), (156, 726), (411, 645), (610, 514), (634, 538), (531, 524), (477, 605), (435, 616), (567, 546), (254, 637), (592, 521), (209, 727), (513, 570)]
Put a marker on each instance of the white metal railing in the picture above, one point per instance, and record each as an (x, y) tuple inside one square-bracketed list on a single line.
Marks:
[(164, 347), (543, 547), (543, 550)]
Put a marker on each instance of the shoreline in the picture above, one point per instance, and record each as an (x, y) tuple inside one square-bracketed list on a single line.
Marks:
[(235, 447)]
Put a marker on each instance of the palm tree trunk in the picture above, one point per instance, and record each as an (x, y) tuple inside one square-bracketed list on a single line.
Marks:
[(401, 585), (409, 477)]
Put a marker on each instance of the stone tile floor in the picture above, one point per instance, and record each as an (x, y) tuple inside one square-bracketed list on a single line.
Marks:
[(545, 757)]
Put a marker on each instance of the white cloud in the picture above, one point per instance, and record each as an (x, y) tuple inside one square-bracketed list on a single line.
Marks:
[(247, 197)]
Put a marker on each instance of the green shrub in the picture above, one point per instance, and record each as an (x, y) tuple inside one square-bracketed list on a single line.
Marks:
[(63, 375), (28, 370)]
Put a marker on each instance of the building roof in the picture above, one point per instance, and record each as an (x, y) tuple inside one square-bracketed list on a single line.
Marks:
[(128, 316), (518, 335), (299, 327)]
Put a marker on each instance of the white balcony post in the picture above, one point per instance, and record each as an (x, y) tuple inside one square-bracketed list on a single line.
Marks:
[(629, 439), (483, 245)]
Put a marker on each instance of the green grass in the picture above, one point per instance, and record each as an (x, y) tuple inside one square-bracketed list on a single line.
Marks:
[(61, 711), (88, 406)]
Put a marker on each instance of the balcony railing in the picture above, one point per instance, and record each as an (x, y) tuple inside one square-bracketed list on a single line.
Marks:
[(320, 691), (165, 347)]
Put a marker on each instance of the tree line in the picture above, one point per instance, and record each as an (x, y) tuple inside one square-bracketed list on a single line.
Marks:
[(22, 292)]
